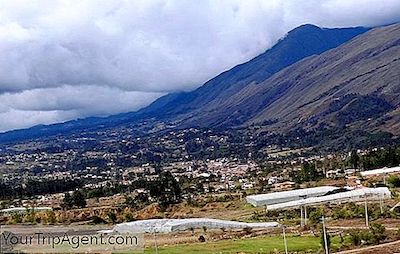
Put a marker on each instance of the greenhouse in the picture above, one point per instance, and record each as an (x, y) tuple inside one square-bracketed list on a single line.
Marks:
[(287, 196), (363, 194), (171, 225), (380, 171), (25, 209)]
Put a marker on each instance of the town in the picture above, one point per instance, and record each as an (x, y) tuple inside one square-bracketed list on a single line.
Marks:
[(185, 174)]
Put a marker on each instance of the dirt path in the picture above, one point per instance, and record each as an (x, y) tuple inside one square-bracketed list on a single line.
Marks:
[(386, 248)]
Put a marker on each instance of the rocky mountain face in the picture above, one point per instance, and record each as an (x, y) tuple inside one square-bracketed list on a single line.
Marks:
[(302, 42), (356, 84)]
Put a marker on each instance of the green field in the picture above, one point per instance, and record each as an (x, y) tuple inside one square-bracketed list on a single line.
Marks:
[(253, 245)]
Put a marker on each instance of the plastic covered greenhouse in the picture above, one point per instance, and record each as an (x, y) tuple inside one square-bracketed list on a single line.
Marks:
[(286, 196), (171, 225), (25, 209), (380, 171), (362, 194)]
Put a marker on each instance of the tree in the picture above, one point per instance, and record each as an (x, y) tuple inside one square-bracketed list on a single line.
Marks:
[(166, 189), (68, 203), (354, 159), (307, 173), (78, 199)]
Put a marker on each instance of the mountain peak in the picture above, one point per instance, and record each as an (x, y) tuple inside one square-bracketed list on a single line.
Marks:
[(305, 27), (301, 42)]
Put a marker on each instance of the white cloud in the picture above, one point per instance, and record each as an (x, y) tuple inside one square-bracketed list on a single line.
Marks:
[(49, 105), (56, 52)]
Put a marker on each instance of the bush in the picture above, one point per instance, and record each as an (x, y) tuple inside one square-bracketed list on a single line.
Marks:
[(378, 233), (112, 217), (393, 181), (248, 230), (202, 239), (374, 235), (51, 217), (315, 216), (129, 217), (97, 220), (355, 238), (17, 218)]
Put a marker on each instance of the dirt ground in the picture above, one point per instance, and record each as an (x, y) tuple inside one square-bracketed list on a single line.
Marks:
[(387, 248)]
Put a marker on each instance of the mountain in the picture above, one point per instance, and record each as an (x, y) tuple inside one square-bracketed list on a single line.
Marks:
[(302, 42), (356, 85), (299, 43)]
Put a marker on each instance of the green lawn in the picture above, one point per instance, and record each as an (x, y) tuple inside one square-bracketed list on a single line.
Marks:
[(252, 245)]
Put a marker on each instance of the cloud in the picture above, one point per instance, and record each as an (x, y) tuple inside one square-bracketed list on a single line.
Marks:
[(56, 53), (49, 105)]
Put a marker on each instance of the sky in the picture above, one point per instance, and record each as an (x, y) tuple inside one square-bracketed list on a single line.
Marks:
[(68, 59)]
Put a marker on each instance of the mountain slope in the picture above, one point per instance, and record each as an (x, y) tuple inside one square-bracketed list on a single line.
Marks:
[(299, 43), (357, 84)]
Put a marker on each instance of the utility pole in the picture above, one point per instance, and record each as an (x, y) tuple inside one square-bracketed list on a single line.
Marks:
[(366, 213), (325, 237), (1, 239), (381, 203), (155, 240), (301, 216), (284, 239), (305, 215)]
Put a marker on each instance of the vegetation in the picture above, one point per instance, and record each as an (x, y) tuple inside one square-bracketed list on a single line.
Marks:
[(77, 199), (307, 173), (166, 190), (374, 235), (269, 244), (37, 187)]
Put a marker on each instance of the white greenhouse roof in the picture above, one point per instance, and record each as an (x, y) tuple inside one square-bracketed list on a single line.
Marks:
[(285, 196), (348, 196), (24, 209), (380, 171), (171, 225)]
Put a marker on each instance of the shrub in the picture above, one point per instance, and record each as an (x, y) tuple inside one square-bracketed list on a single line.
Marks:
[(112, 217), (202, 239), (97, 220), (378, 233), (248, 230)]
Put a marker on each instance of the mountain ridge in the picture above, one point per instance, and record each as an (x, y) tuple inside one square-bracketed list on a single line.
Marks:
[(301, 42), (367, 66)]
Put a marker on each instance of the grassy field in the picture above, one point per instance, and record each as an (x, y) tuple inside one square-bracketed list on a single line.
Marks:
[(252, 245)]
